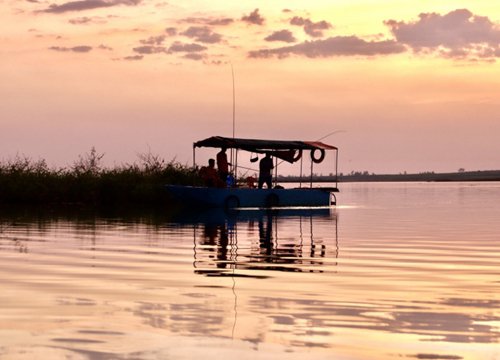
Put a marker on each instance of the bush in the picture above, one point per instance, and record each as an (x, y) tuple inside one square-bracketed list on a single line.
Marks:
[(25, 181)]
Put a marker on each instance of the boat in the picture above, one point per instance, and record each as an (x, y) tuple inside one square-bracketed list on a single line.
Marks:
[(240, 195)]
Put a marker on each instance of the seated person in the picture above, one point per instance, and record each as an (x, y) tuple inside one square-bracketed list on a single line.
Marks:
[(210, 176), (251, 181)]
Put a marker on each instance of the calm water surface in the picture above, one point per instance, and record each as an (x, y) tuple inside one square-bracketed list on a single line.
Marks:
[(396, 271)]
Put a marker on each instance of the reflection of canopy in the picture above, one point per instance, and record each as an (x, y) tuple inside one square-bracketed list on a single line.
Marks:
[(283, 149)]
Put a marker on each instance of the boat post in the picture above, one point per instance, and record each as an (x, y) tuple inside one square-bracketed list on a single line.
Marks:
[(311, 176), (235, 167), (336, 168), (275, 171), (194, 155), (301, 173)]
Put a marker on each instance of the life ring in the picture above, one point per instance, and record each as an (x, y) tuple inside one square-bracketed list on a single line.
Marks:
[(231, 202), (297, 156), (321, 156), (272, 200)]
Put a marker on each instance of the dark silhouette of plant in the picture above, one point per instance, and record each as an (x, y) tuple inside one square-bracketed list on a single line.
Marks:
[(88, 164), (87, 182), (151, 163)]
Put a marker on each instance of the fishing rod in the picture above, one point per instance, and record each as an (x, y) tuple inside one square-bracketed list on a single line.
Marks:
[(330, 134), (279, 163), (321, 138), (324, 137)]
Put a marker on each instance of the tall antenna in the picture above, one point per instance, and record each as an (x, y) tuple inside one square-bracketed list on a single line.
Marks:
[(234, 102), (234, 113)]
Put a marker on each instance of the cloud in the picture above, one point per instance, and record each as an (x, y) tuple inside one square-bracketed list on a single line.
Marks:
[(77, 49), (254, 18), (313, 29), (149, 49), (176, 47), (83, 5), (334, 46), (153, 40), (458, 34), (436, 356), (105, 47), (221, 22), (189, 48), (171, 31), (133, 57), (212, 21), (85, 20), (81, 20), (281, 35), (194, 56), (202, 34)]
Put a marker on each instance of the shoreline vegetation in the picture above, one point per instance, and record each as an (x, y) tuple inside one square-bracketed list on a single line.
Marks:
[(87, 183), (142, 184)]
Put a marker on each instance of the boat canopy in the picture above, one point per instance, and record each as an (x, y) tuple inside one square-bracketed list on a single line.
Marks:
[(288, 150), (261, 146)]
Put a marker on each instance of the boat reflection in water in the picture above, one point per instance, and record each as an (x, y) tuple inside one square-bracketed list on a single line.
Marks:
[(272, 240)]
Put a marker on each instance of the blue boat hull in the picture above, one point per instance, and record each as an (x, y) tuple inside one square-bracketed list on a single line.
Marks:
[(251, 198)]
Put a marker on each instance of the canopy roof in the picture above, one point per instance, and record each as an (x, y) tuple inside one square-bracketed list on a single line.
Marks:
[(261, 146)]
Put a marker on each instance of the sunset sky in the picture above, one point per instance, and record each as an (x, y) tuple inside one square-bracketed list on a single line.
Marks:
[(405, 85)]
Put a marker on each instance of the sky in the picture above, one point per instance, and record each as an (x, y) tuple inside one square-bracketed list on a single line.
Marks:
[(400, 85)]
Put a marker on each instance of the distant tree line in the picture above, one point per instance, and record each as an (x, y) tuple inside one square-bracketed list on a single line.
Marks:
[(361, 176)]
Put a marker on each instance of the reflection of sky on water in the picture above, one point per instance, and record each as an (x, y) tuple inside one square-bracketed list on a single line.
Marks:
[(379, 278), (320, 320), (412, 318)]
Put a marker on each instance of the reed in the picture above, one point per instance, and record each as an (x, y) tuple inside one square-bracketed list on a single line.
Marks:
[(27, 181)]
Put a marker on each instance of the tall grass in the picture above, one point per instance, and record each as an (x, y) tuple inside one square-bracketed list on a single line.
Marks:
[(27, 181)]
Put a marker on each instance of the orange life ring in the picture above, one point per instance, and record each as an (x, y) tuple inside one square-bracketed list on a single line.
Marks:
[(321, 156)]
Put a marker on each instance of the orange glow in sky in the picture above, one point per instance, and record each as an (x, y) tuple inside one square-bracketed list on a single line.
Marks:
[(413, 88)]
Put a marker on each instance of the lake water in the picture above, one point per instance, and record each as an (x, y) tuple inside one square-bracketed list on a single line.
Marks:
[(395, 271)]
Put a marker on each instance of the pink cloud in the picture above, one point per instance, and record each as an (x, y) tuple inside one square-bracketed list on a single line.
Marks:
[(188, 48), (153, 40), (83, 5), (77, 49), (313, 29), (334, 46), (202, 34), (212, 21), (254, 18), (457, 34), (281, 35), (149, 49)]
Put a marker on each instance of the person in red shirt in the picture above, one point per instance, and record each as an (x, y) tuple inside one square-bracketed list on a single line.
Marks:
[(209, 175)]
